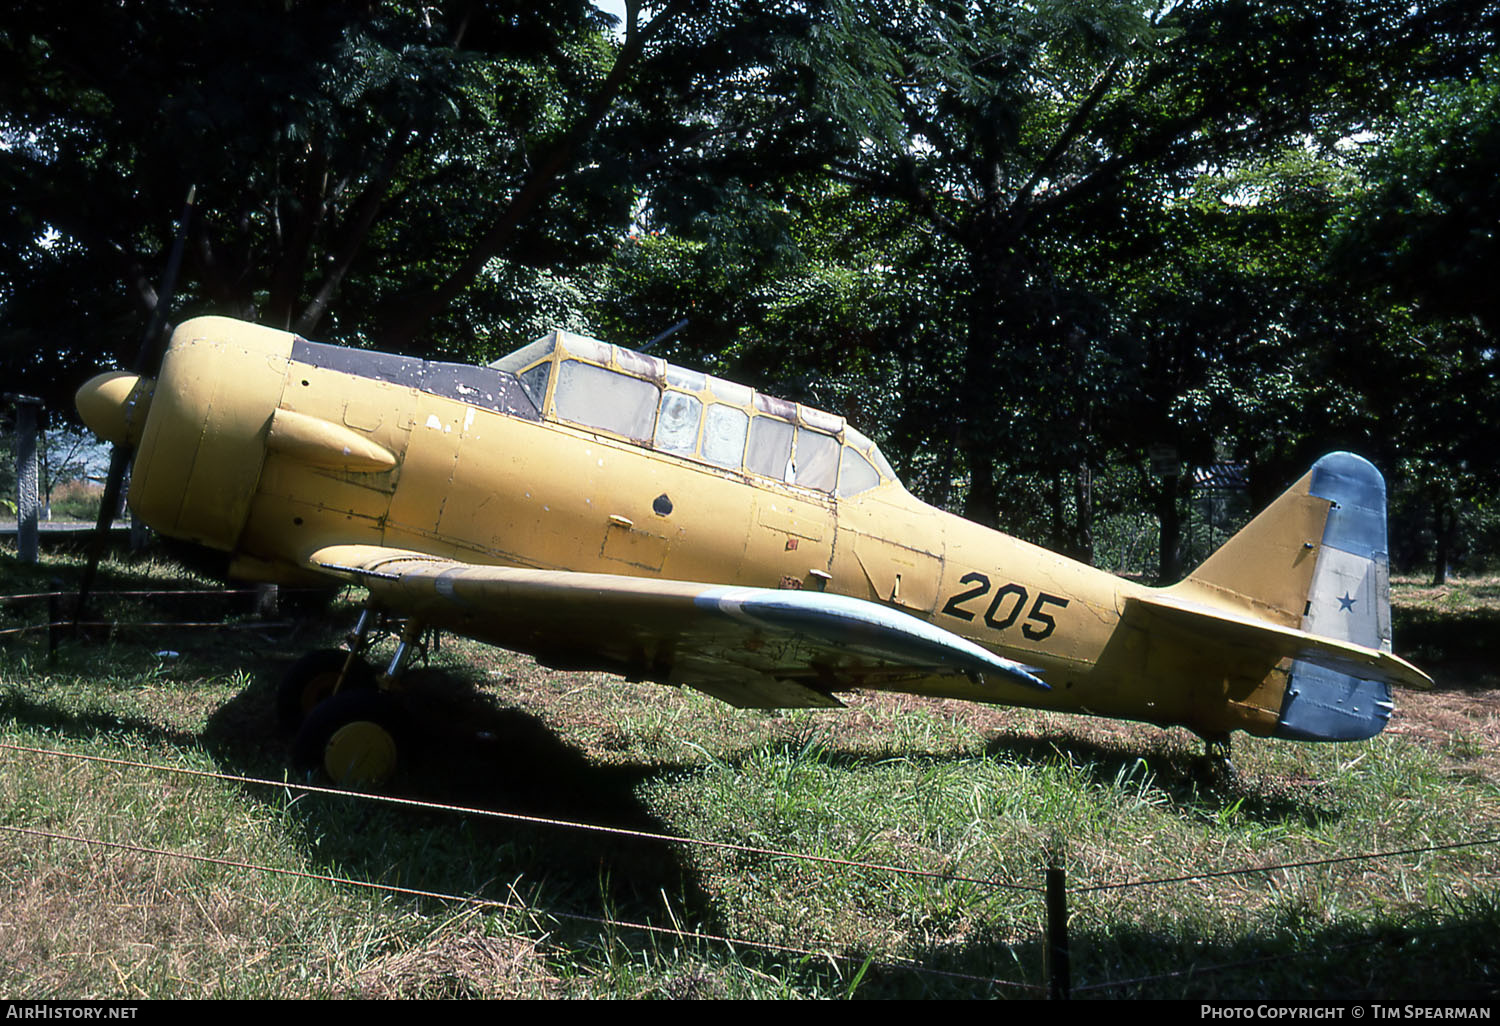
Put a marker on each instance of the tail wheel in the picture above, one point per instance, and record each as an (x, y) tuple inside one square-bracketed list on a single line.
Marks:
[(312, 681), (354, 737)]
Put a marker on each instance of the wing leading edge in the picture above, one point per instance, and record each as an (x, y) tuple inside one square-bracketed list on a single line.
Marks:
[(751, 647)]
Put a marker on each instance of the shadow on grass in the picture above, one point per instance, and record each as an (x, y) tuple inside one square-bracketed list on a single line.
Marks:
[(1190, 786), (467, 751), (461, 749), (1447, 957), (1434, 638)]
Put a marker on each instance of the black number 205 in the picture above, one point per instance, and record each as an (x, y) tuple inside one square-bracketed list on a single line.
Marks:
[(1005, 606)]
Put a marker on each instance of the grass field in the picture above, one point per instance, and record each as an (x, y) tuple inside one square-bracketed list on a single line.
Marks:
[(975, 798)]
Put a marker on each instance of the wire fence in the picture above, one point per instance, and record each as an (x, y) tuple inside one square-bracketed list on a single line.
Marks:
[(1052, 891), (57, 625), (515, 904), (1054, 940), (516, 817)]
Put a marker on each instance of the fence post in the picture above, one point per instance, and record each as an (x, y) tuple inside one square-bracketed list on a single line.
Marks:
[(27, 491), (54, 619), (267, 600), (1058, 982)]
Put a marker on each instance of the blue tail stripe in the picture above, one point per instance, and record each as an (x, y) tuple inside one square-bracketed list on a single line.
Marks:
[(1325, 705), (1356, 524)]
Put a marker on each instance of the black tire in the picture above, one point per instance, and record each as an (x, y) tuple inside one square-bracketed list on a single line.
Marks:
[(354, 737), (310, 681)]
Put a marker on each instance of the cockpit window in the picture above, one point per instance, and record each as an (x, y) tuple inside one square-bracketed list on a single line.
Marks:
[(769, 453), (868, 448), (816, 460), (601, 398), (534, 382), (677, 426), (724, 429), (855, 474)]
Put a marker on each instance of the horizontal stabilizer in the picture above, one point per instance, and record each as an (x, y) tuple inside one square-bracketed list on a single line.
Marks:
[(1216, 626)]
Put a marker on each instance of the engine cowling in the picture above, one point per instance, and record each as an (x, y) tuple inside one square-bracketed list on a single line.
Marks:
[(200, 429)]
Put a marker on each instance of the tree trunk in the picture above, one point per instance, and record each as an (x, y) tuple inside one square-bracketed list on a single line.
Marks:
[(1445, 532), (982, 504), (1083, 499), (1170, 517), (976, 412)]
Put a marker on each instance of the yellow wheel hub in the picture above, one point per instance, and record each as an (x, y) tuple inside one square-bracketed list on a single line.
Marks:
[(362, 752)]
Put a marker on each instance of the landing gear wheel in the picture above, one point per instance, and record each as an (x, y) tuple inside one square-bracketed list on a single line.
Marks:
[(311, 680), (353, 737)]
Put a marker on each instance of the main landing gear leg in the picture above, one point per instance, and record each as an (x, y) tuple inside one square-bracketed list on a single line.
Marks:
[(355, 734), (321, 674), (359, 638), (410, 642)]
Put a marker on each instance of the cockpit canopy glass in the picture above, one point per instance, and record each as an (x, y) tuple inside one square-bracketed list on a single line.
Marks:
[(689, 414)]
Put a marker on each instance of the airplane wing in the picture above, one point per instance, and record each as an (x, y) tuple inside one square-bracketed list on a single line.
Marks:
[(751, 647), (1277, 642)]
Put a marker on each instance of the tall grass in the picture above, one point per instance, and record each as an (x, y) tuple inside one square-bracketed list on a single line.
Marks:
[(970, 801)]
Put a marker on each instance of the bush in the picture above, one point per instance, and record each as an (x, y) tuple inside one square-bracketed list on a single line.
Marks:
[(76, 500)]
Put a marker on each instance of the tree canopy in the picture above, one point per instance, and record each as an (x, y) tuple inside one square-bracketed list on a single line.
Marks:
[(1028, 246)]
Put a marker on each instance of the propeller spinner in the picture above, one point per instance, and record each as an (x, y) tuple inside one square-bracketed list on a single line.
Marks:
[(114, 406)]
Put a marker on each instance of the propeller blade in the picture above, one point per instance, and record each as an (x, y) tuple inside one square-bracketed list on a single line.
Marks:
[(155, 329), (119, 460), (124, 447)]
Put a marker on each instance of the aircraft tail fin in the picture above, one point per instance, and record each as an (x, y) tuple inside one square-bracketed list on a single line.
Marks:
[(1316, 560)]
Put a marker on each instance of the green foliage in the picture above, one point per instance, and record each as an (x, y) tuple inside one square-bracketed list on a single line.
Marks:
[(1418, 236), (7, 472), (1022, 245), (1422, 226), (357, 167)]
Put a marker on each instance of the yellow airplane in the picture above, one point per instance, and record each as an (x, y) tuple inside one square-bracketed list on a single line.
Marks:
[(600, 508)]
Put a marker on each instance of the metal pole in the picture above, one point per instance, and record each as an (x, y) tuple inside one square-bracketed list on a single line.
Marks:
[(1058, 982)]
